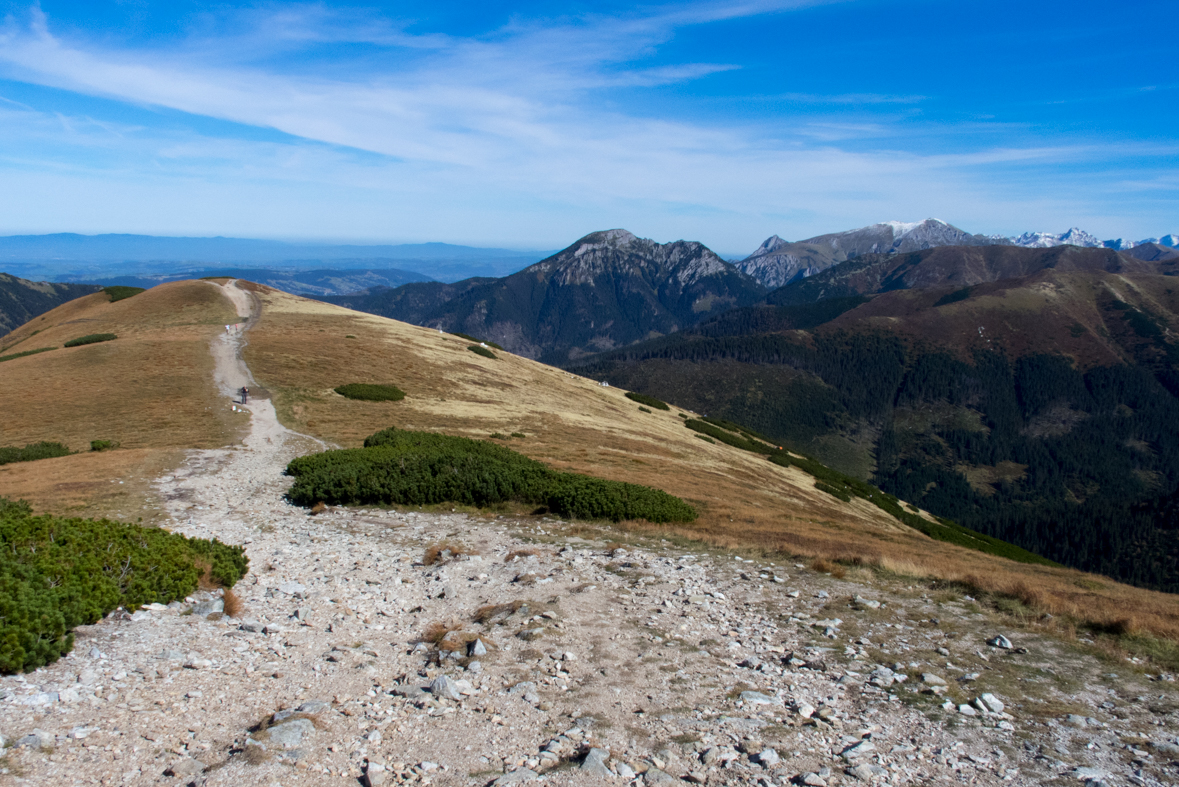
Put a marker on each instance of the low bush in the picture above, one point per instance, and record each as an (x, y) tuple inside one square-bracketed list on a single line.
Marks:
[(644, 409), (478, 350), (834, 491), (93, 338), (103, 445), (26, 352), (119, 293), (371, 392), (738, 428), (650, 401), (423, 468), (727, 437), (477, 341), (58, 573), (519, 435), (32, 452), (706, 438)]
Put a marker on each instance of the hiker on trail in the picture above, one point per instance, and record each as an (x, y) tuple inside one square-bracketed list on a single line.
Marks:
[(245, 395)]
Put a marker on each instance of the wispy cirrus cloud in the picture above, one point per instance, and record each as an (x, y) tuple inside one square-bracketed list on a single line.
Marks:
[(441, 128)]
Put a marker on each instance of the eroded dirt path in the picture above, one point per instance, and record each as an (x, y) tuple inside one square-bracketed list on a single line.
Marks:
[(596, 664)]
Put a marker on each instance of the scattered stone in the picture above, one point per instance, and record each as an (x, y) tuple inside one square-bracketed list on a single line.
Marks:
[(476, 648), (185, 767), (999, 641), (867, 772), (768, 758), (990, 702), (756, 698), (595, 763), (203, 608), (445, 687), (518, 775), (289, 734), (866, 603), (932, 680)]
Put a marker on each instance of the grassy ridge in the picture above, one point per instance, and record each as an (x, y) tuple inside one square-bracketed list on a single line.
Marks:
[(119, 292), (424, 468), (57, 574)]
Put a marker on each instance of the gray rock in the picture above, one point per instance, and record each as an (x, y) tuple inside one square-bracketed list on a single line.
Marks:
[(756, 698), (595, 762), (185, 766), (656, 776), (95, 653), (526, 690), (813, 780), (412, 692), (866, 603), (858, 750), (40, 698), (309, 707), (1085, 772), (37, 739), (1165, 747), (529, 635), (932, 680), (768, 758), (991, 702), (290, 734), (475, 667), (203, 608), (866, 772), (445, 687), (476, 648), (625, 771), (519, 775), (293, 589), (967, 710), (999, 641), (375, 774), (251, 626), (882, 676)]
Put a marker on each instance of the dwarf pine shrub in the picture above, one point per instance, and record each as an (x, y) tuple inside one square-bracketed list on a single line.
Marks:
[(32, 452), (26, 352), (371, 392), (650, 401), (93, 338), (477, 341), (478, 350), (119, 293), (424, 468), (58, 573)]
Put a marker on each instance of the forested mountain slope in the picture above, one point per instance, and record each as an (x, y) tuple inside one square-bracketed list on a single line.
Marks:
[(1039, 408), (22, 300)]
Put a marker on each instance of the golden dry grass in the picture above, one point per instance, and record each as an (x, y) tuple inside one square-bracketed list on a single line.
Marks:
[(299, 351), (151, 390)]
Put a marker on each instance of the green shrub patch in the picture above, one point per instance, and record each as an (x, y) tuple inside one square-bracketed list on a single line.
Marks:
[(650, 401), (93, 338), (32, 452), (477, 341), (26, 352), (103, 445), (57, 574), (423, 468), (371, 392), (119, 293), (727, 437), (478, 350)]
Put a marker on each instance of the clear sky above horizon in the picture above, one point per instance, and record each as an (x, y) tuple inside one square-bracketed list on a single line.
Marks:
[(527, 125)]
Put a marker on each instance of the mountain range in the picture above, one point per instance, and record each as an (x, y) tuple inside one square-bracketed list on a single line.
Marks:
[(22, 300), (777, 262), (607, 290), (1029, 393)]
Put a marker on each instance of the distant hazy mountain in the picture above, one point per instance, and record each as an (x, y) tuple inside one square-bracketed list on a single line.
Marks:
[(63, 255), (314, 283), (777, 262), (22, 300), (607, 290)]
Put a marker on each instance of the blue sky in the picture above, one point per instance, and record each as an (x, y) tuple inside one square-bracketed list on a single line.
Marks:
[(529, 124)]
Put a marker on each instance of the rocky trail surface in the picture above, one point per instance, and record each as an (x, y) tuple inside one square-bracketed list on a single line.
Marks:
[(387, 647)]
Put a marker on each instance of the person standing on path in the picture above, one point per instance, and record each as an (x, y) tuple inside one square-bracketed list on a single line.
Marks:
[(245, 395)]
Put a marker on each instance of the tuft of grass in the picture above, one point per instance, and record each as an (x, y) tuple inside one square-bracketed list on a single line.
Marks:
[(489, 612), (233, 606), (14, 356), (650, 401), (443, 552), (480, 350), (518, 553), (93, 338), (439, 630), (519, 435), (103, 445), (497, 436), (371, 392), (825, 566)]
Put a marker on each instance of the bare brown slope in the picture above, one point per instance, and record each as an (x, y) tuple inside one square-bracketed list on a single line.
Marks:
[(151, 390), (300, 350)]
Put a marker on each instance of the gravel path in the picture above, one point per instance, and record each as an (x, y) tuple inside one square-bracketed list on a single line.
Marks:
[(528, 652)]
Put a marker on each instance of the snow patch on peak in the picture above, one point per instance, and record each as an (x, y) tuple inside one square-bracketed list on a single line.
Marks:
[(901, 228)]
